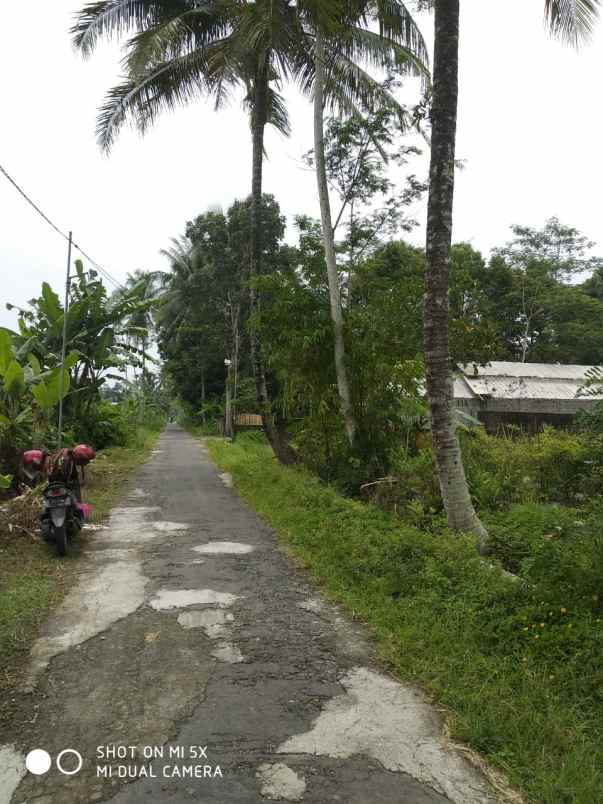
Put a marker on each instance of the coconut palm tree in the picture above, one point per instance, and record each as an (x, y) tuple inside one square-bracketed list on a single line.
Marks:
[(145, 286), (570, 20), (180, 50)]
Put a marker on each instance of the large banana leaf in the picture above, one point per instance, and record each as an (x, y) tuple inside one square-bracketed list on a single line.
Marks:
[(6, 351), (14, 379), (35, 364), (50, 305), (47, 393)]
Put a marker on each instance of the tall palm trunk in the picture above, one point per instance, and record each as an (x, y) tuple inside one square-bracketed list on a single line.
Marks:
[(281, 448), (328, 239), (453, 484)]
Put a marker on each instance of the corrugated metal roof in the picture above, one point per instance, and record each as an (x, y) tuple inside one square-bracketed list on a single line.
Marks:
[(508, 380), (509, 368), (462, 390)]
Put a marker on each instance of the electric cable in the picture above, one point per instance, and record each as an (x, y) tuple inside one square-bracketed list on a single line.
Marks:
[(99, 268)]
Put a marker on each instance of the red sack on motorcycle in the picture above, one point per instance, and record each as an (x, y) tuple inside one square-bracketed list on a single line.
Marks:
[(83, 454), (33, 458)]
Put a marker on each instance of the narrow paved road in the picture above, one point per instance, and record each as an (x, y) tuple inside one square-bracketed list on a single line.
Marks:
[(190, 635)]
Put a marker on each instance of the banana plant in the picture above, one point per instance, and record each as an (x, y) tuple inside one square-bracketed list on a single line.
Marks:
[(28, 394), (98, 333)]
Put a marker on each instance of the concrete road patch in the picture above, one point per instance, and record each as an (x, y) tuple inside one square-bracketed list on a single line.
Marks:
[(224, 548), (170, 527), (166, 599), (100, 599), (214, 622), (12, 770), (279, 782), (381, 718)]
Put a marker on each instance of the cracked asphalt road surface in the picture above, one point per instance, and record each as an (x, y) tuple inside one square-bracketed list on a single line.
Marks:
[(192, 633)]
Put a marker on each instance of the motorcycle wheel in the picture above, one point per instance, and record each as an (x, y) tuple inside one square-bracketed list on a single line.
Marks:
[(60, 537)]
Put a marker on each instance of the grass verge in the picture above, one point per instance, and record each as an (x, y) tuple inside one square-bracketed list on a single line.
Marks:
[(33, 579), (519, 671)]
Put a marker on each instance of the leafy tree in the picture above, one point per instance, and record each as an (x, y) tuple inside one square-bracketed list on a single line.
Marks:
[(344, 31), (562, 248), (358, 152), (204, 312), (384, 349)]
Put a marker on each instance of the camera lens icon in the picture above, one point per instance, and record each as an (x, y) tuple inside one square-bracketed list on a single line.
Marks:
[(39, 762), (71, 752)]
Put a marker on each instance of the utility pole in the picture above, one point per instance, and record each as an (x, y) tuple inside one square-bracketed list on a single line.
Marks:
[(228, 408), (64, 345)]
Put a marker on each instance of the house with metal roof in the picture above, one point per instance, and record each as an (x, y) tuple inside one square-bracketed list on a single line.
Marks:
[(529, 395)]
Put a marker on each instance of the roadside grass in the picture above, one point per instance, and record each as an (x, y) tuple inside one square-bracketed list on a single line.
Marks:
[(33, 579), (517, 665)]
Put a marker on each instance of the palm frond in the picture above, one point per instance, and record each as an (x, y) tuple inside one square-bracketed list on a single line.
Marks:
[(572, 21), (350, 90), (109, 18), (141, 98), (378, 50), (397, 24), (277, 113), (193, 29)]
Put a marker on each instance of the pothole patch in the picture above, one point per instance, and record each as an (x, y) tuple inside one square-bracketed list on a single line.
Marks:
[(227, 652), (224, 548), (138, 494), (213, 621), (393, 724), (98, 600), (170, 527), (12, 770), (279, 782), (111, 588), (182, 598), (113, 554), (313, 604)]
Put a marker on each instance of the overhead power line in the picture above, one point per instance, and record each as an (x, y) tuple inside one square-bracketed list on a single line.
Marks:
[(99, 268)]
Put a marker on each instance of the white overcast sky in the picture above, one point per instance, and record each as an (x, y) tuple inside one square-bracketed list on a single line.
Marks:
[(530, 124)]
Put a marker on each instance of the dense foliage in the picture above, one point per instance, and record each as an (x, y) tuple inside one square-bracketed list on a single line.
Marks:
[(101, 332)]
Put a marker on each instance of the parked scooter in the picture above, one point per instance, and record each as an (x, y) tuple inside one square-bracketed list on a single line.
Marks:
[(63, 513)]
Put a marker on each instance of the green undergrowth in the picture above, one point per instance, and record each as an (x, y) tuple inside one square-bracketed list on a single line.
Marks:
[(33, 579), (518, 665)]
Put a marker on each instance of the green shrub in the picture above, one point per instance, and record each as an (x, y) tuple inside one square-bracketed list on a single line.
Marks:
[(105, 426), (523, 529), (110, 424), (552, 466)]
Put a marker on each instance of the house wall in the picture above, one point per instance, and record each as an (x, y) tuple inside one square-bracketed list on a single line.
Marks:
[(494, 421)]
